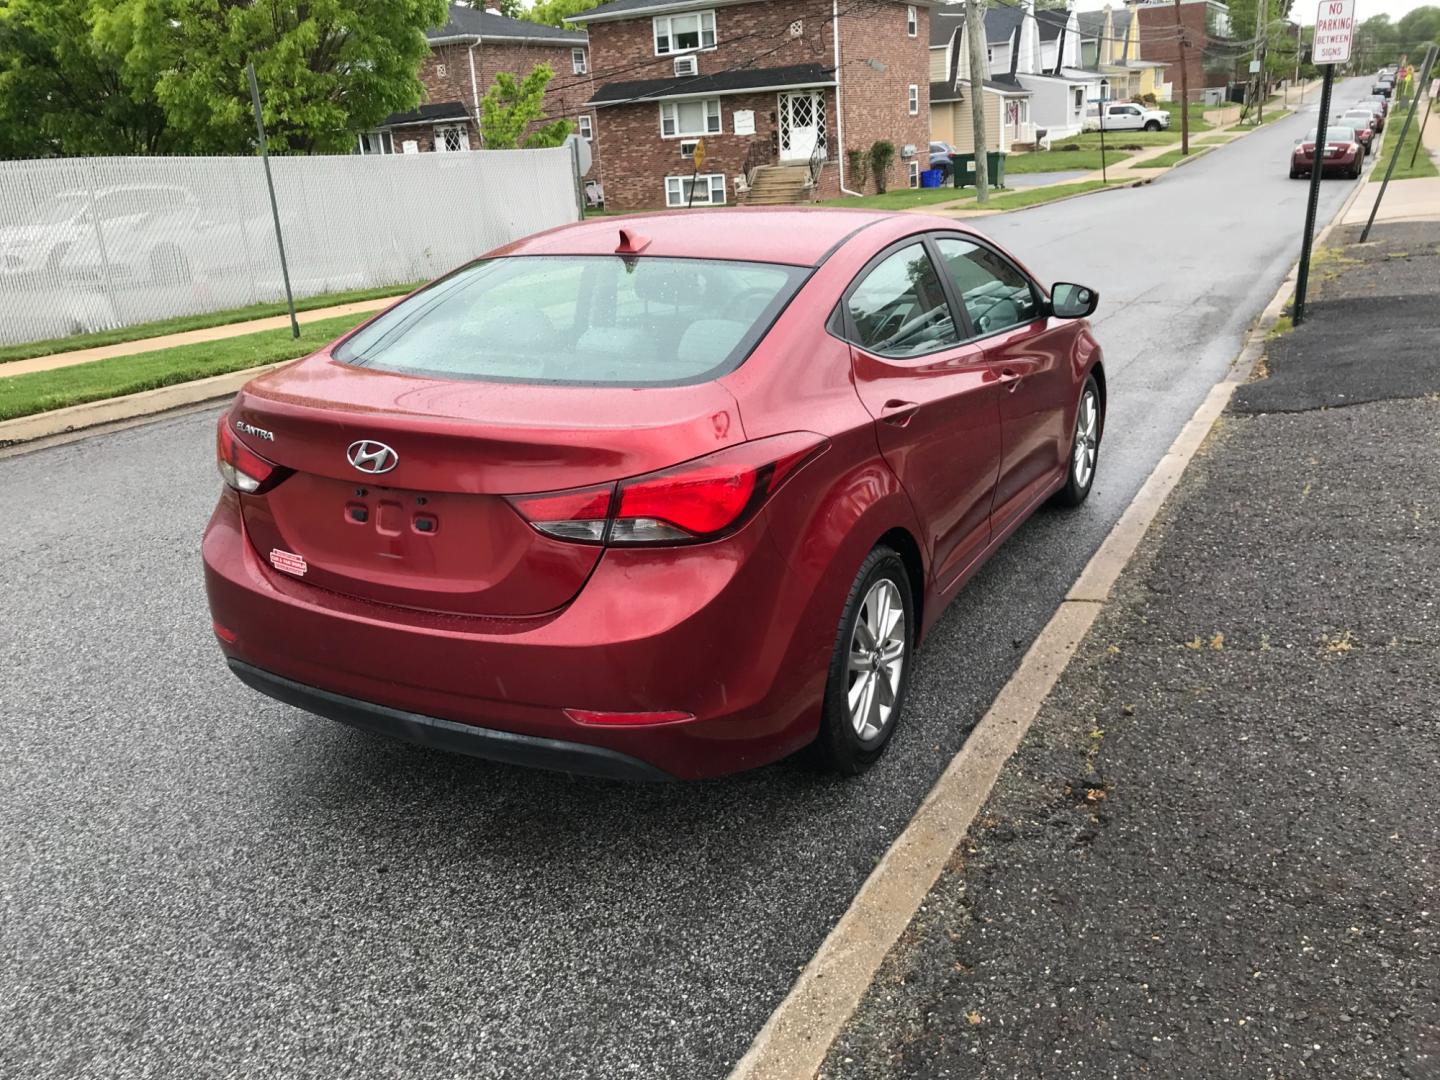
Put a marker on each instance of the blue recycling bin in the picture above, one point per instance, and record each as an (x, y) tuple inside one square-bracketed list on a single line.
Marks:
[(932, 178)]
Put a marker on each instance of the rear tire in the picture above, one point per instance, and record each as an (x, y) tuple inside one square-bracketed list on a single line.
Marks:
[(873, 655), (1084, 447), (1294, 174)]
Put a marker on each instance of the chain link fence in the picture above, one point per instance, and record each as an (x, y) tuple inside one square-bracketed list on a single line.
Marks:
[(96, 243)]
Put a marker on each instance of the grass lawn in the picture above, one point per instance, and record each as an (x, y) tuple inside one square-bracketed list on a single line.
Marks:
[(1014, 200), (1164, 161), (1090, 140), (1423, 166), (1270, 115), (1212, 140), (1060, 160), (1197, 117), (904, 199), (41, 391), (192, 322)]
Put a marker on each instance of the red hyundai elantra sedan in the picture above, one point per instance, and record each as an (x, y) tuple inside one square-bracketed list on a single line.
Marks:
[(663, 496)]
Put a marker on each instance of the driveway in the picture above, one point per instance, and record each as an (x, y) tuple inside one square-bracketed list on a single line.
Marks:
[(200, 881)]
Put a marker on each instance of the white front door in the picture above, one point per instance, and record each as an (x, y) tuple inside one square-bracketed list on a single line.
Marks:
[(802, 124)]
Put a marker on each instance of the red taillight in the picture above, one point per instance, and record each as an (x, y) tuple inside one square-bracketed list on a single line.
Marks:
[(579, 515), (626, 719), (699, 500), (242, 468)]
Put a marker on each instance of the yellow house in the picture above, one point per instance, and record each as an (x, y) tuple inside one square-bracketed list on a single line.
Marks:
[(1110, 44)]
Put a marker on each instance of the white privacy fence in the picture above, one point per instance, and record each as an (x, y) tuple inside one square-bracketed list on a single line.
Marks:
[(95, 243)]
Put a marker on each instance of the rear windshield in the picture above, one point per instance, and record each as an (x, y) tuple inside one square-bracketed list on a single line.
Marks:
[(580, 319)]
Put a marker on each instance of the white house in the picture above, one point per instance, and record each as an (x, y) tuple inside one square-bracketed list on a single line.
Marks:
[(1048, 65), (1008, 120)]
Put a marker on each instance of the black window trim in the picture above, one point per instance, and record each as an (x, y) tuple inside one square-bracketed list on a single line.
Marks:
[(1037, 294), (845, 323)]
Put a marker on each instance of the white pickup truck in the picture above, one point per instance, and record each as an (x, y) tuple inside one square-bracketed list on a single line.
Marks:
[(1126, 116)]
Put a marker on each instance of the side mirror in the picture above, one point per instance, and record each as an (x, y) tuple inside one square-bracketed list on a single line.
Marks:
[(1068, 301)]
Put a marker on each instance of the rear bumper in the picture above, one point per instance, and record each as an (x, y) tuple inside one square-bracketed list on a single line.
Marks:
[(644, 635), (430, 731)]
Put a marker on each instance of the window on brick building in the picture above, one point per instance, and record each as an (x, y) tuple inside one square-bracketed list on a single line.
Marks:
[(914, 174), (707, 190), (914, 94), (688, 118), (684, 33), (451, 137), (584, 126), (912, 20), (376, 142), (578, 63)]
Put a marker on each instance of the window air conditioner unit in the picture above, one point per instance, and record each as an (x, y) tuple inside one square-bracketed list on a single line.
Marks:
[(687, 65)]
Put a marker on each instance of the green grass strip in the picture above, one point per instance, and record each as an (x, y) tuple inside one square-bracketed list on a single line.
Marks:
[(192, 322), (903, 199), (1164, 161), (1014, 200), (1424, 164), (42, 391)]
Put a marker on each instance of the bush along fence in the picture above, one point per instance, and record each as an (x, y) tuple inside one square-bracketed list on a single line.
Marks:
[(97, 243)]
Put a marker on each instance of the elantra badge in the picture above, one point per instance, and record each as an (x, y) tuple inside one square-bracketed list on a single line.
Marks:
[(372, 457)]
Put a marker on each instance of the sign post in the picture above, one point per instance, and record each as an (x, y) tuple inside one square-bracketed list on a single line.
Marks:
[(695, 174), (1334, 29)]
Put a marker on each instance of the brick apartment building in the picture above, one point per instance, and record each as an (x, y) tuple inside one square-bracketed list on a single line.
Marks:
[(760, 82), (465, 55), (1206, 24)]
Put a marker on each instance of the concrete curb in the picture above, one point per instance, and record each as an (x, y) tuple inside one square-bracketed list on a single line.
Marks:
[(146, 403), (798, 1035)]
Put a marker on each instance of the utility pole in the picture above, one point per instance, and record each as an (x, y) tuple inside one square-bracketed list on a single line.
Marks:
[(1262, 83), (975, 35), (1180, 46)]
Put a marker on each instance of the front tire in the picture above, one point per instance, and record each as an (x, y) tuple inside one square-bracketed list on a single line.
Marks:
[(1084, 447), (870, 667), (1152, 125)]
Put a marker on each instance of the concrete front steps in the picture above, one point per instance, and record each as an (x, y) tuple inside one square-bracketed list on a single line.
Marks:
[(780, 185)]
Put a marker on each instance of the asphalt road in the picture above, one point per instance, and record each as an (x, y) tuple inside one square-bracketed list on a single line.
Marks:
[(195, 880)]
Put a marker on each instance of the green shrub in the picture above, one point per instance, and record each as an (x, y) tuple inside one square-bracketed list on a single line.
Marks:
[(882, 156)]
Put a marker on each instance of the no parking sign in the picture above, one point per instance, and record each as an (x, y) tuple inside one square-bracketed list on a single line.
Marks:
[(1334, 29)]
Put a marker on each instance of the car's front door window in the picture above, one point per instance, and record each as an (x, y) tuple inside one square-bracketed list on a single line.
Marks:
[(899, 309), (995, 293)]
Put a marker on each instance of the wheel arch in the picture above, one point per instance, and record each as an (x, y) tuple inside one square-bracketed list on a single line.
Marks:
[(905, 545)]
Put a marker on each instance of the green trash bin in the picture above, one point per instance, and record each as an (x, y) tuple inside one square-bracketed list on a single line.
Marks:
[(965, 169)]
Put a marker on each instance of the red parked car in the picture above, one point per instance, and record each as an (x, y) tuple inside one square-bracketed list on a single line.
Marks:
[(1361, 122), (652, 497), (1343, 155)]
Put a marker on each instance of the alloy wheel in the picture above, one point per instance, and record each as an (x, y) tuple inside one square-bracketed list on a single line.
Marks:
[(877, 658), (1087, 439)]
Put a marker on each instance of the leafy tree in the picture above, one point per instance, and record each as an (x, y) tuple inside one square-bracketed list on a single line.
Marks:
[(326, 67), (65, 92), (882, 154), (555, 12), (513, 9), (512, 105)]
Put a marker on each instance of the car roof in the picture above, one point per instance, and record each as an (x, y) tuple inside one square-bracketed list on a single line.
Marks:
[(793, 235)]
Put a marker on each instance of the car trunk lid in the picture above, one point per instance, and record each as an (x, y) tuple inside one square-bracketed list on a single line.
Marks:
[(433, 531)]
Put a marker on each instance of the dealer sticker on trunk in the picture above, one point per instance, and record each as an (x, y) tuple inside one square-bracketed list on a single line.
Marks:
[(288, 562)]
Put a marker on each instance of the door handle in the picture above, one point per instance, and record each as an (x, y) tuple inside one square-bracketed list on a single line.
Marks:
[(1011, 378), (898, 412)]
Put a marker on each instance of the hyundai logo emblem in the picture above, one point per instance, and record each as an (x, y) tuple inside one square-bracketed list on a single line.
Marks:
[(370, 456)]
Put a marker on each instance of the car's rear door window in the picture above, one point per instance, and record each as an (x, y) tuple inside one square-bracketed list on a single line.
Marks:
[(899, 307), (995, 293), (580, 319)]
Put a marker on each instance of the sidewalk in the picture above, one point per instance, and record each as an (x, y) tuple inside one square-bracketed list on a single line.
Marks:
[(1416, 199), (1217, 851), (188, 337)]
